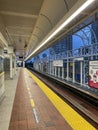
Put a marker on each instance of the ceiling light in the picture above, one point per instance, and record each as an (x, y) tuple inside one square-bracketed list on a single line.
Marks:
[(66, 22)]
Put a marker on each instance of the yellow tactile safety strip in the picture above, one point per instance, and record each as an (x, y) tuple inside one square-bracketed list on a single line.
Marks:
[(1, 73), (76, 121)]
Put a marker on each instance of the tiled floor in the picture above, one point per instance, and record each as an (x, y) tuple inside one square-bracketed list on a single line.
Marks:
[(38, 115), (7, 103), (32, 109)]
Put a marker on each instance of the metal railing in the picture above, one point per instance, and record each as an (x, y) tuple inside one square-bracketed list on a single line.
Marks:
[(89, 50), (83, 51)]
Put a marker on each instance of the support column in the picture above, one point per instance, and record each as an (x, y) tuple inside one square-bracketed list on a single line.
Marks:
[(55, 71), (15, 65), (58, 72), (11, 54), (50, 67), (2, 87), (11, 67), (73, 71), (23, 64), (67, 69), (42, 67), (62, 72), (81, 71)]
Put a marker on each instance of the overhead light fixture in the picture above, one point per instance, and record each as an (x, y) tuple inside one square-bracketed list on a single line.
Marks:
[(65, 23)]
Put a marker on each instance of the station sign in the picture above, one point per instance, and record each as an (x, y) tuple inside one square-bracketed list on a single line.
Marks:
[(79, 59), (58, 63), (93, 74)]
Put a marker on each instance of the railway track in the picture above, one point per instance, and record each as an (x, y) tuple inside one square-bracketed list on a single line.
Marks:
[(89, 110)]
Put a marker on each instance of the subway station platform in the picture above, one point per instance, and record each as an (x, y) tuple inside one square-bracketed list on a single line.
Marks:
[(36, 107)]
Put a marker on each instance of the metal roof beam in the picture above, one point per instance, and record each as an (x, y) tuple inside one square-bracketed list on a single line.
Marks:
[(18, 14)]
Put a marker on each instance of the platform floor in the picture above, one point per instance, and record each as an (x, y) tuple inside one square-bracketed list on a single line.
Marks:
[(7, 103), (36, 107), (32, 110)]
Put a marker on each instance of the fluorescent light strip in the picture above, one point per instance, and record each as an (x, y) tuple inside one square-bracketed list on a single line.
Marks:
[(66, 22)]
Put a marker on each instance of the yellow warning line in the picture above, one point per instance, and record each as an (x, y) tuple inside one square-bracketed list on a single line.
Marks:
[(28, 88), (32, 103), (1, 73), (76, 121)]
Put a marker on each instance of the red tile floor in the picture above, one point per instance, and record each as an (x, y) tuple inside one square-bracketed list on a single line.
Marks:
[(23, 116)]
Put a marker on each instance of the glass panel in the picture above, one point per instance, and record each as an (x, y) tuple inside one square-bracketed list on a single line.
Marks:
[(65, 69), (1, 64), (60, 72), (77, 71), (56, 71), (70, 71), (86, 67)]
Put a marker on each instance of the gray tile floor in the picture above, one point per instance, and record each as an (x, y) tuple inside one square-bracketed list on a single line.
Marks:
[(7, 103)]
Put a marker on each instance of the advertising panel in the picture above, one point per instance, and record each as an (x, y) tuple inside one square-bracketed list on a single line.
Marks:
[(93, 74)]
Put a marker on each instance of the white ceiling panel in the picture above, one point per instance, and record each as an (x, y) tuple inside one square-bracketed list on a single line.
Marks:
[(28, 22)]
